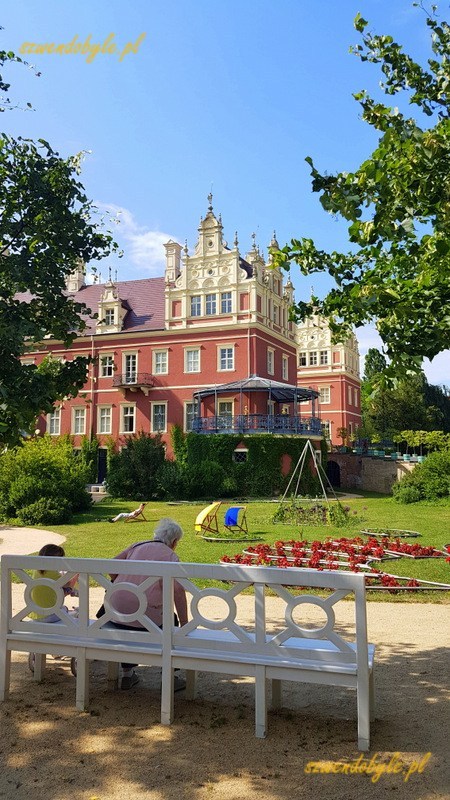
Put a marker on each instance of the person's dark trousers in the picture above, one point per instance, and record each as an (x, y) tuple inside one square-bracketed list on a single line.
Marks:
[(176, 622)]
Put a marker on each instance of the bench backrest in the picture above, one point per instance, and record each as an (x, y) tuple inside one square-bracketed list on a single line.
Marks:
[(231, 634)]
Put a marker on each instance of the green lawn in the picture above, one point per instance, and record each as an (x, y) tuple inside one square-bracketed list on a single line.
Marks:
[(91, 535)]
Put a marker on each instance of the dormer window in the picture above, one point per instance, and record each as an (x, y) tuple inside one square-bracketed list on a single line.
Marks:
[(111, 310)]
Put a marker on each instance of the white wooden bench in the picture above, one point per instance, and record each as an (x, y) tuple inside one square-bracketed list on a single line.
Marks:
[(294, 651)]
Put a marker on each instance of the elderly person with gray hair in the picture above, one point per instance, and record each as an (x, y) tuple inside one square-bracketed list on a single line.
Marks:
[(162, 547)]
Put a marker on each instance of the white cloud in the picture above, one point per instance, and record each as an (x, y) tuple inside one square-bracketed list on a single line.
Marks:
[(142, 247)]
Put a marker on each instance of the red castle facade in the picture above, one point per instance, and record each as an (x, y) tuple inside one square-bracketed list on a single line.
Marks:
[(208, 346)]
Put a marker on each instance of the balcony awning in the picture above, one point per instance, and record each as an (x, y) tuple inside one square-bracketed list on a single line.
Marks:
[(281, 392)]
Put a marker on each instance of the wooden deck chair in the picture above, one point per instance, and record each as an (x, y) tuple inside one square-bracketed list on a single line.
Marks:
[(207, 519), (232, 522), (138, 512)]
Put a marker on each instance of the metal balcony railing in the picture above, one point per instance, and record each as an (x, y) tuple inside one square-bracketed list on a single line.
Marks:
[(133, 379), (258, 423)]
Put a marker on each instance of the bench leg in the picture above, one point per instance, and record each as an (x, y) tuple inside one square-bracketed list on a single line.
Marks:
[(82, 690), (363, 703), (167, 695), (113, 675), (260, 702), (39, 666), (191, 684), (276, 693), (5, 673), (372, 697)]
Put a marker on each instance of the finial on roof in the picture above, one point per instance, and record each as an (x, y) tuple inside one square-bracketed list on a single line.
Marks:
[(115, 276), (220, 219), (210, 197), (236, 240), (273, 242), (109, 274), (254, 240), (186, 247)]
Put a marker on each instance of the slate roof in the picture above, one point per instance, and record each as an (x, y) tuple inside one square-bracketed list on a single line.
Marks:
[(144, 298)]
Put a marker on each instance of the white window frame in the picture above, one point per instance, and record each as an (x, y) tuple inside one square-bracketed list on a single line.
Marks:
[(189, 350), (153, 405), (122, 417), (303, 359), (76, 409), (195, 308), (110, 316), (126, 355), (104, 367), (326, 428), (355, 396), (211, 305), (349, 395), (226, 303), (161, 362), (225, 363), (186, 415), (99, 419), (324, 393), (285, 367), (323, 358), (271, 361), (313, 358), (54, 421)]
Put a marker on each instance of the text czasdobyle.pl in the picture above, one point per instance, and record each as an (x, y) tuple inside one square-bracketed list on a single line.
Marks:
[(87, 48)]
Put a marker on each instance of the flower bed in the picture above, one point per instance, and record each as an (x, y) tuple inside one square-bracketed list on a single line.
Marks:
[(397, 533), (354, 555)]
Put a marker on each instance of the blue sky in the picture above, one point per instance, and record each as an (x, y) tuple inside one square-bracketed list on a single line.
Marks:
[(231, 94)]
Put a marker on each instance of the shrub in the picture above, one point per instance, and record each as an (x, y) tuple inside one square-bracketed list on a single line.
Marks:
[(428, 481), (46, 470), (203, 480), (132, 472), (171, 480), (407, 494), (47, 511)]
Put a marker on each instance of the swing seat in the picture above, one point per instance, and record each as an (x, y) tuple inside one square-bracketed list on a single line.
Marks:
[(232, 521)]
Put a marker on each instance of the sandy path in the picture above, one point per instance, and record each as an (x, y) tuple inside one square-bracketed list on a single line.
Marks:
[(119, 751)]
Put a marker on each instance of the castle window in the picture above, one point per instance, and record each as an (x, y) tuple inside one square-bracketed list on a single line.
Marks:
[(211, 304), (160, 362), (226, 358), (104, 419), (130, 367), (196, 306), (189, 416), (109, 316), (79, 420), (285, 367), (128, 419), (302, 360), (270, 361), (54, 422), (159, 417), (106, 366), (225, 303), (324, 394), (313, 358), (192, 360), (324, 357)]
